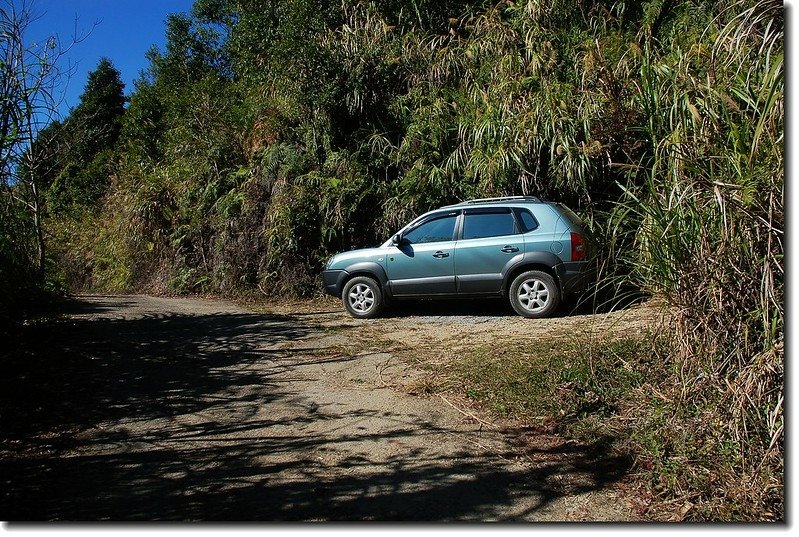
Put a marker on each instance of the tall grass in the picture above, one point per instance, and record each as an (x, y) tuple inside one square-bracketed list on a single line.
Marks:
[(708, 236)]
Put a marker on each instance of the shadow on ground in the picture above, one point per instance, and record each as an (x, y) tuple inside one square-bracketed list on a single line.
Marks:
[(65, 381), (571, 306)]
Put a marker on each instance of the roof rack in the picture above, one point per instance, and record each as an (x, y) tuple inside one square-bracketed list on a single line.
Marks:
[(494, 200)]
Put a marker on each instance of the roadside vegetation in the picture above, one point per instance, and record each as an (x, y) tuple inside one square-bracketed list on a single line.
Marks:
[(624, 392), (268, 135)]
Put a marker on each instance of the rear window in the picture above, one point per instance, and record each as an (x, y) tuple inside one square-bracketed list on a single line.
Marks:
[(573, 219)]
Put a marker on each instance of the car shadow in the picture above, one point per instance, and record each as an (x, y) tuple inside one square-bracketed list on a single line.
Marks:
[(74, 390), (572, 306), (484, 307)]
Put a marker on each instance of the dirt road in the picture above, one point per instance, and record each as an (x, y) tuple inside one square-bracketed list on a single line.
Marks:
[(190, 409)]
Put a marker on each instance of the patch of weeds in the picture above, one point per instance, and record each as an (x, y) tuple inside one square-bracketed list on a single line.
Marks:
[(681, 439), (594, 386), (577, 384), (426, 386), (513, 382), (687, 457), (189, 280)]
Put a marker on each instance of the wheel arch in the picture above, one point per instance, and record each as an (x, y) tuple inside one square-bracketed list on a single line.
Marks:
[(368, 269), (543, 261)]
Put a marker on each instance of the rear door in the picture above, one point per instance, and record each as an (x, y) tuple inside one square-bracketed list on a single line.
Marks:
[(488, 241)]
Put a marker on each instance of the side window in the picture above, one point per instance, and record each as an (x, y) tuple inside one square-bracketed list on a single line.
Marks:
[(527, 220), (437, 230), (486, 224)]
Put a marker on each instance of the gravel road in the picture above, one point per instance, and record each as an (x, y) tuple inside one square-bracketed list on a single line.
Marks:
[(196, 409)]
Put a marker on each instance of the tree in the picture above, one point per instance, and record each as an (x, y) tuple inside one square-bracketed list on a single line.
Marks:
[(79, 151), (97, 118), (29, 80)]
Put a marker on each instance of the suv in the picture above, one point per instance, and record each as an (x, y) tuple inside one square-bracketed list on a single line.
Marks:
[(531, 251)]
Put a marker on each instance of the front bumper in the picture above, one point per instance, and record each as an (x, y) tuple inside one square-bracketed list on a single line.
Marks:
[(333, 281)]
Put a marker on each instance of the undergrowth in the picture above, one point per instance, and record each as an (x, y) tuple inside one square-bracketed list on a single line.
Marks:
[(628, 389)]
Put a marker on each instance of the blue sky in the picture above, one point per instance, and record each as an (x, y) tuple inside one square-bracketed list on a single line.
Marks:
[(125, 30)]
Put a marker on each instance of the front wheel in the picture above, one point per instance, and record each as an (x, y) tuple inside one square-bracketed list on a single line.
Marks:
[(534, 294), (362, 298)]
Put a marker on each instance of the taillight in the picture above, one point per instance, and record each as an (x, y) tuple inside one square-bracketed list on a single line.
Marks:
[(578, 247)]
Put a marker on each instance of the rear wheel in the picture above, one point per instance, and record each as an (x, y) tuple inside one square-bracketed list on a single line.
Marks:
[(362, 298), (534, 294)]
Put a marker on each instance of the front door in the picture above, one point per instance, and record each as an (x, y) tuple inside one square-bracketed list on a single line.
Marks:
[(424, 263)]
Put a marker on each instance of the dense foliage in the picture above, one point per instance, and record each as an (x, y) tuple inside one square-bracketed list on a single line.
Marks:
[(268, 135)]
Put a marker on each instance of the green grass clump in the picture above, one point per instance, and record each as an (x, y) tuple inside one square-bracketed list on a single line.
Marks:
[(560, 379)]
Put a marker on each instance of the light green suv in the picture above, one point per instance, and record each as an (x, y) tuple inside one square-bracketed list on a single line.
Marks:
[(531, 251)]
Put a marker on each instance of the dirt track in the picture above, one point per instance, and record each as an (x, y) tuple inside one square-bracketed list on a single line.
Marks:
[(190, 409)]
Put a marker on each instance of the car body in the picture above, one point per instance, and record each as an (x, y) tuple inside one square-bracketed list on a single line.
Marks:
[(531, 251)]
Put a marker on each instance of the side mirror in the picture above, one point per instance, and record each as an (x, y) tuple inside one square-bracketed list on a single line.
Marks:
[(398, 239)]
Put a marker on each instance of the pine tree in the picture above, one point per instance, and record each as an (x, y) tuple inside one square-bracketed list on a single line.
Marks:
[(87, 140), (97, 118)]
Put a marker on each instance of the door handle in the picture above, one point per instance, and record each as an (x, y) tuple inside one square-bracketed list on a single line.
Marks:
[(440, 255), (509, 249)]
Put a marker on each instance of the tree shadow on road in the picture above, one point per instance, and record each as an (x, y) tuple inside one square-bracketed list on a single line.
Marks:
[(74, 390)]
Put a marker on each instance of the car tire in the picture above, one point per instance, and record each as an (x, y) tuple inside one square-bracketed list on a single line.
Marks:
[(534, 294), (362, 298)]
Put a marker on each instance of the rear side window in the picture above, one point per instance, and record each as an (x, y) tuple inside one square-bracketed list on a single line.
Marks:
[(526, 220), (488, 224), (436, 230)]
